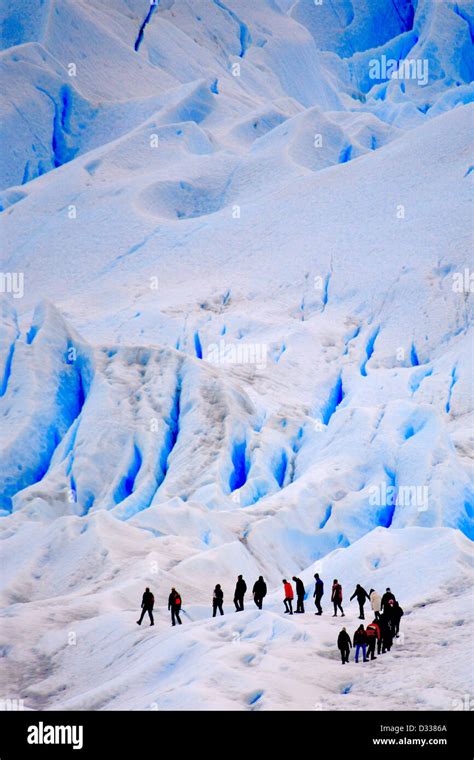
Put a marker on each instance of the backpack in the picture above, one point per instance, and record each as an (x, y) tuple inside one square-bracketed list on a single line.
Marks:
[(177, 600), (370, 631), (151, 599)]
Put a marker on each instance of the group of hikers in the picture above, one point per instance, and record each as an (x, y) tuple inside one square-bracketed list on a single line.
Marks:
[(379, 633), (174, 600), (148, 602)]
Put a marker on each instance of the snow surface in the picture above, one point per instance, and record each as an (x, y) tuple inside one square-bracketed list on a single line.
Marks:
[(312, 222)]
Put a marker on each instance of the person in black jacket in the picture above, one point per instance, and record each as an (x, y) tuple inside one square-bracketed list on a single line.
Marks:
[(259, 591), (318, 593), (361, 595), (174, 604), (397, 613), (239, 593), (344, 645), (300, 593), (217, 600), (386, 633), (148, 600), (385, 600), (360, 642), (382, 622)]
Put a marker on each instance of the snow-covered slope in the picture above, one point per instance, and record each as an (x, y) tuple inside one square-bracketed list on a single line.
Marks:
[(242, 343), (74, 643)]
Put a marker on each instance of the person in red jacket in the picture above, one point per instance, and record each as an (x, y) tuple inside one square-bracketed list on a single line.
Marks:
[(289, 596), (372, 633), (336, 597)]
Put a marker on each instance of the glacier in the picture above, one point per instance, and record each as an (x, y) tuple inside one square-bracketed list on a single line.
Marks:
[(243, 344)]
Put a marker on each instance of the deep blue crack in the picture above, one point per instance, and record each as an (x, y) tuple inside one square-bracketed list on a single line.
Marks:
[(326, 290), (62, 151), (280, 469), (414, 356), (466, 522), (173, 423), (245, 38), (8, 369), (385, 515), (336, 396), (326, 517), (454, 379), (346, 154), (197, 345), (145, 22), (127, 483), (369, 350), (31, 334), (255, 697), (238, 476)]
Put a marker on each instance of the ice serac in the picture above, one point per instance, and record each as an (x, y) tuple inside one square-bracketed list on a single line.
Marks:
[(202, 173), (129, 428), (49, 372), (9, 333), (117, 428)]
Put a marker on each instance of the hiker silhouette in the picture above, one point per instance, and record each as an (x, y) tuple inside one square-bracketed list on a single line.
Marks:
[(148, 600)]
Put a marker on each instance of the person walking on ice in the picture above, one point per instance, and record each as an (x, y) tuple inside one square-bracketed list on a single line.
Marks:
[(174, 604), (372, 633), (344, 645), (217, 600), (287, 601), (397, 614), (336, 597), (318, 593), (239, 593), (300, 594), (386, 633), (148, 600), (259, 591), (375, 602), (360, 642), (387, 597), (361, 595)]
